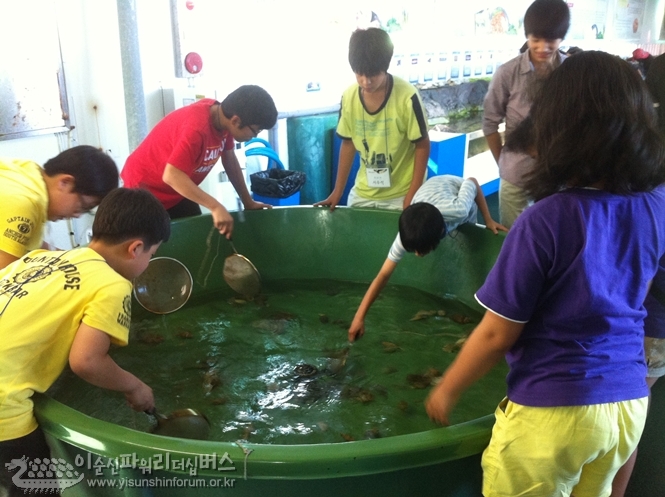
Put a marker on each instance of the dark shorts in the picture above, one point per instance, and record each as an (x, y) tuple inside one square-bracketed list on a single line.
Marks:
[(32, 446), (184, 208)]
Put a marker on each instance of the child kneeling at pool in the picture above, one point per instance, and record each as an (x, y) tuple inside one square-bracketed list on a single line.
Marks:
[(60, 306), (565, 298), (439, 206)]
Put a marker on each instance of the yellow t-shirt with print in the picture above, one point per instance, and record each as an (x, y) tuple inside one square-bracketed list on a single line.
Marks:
[(44, 297), (23, 206)]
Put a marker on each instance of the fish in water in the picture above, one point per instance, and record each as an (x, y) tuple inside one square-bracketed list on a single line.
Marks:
[(389, 347), (335, 365), (358, 394), (288, 316), (261, 300), (249, 429), (207, 363), (309, 391), (455, 346), (380, 390), (211, 380), (423, 315), (274, 326), (342, 324), (185, 334), (277, 322), (461, 319), (420, 315), (342, 353), (272, 386), (151, 339), (418, 380), (372, 433), (336, 360), (423, 380), (305, 370)]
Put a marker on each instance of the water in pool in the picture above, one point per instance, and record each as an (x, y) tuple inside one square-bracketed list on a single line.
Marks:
[(280, 370)]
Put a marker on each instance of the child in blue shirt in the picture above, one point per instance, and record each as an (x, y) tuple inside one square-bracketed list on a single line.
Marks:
[(565, 298)]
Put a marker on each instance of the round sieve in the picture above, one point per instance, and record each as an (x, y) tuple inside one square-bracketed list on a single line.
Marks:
[(241, 275), (164, 287)]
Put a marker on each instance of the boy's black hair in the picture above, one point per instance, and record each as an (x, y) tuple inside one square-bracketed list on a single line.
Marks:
[(131, 213), (549, 19), (253, 105), (95, 173), (370, 51), (594, 125), (421, 228)]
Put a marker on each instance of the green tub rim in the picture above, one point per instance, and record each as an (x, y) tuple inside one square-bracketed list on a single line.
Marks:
[(297, 462)]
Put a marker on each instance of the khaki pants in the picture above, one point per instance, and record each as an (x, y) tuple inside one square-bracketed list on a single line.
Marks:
[(512, 202), (355, 200)]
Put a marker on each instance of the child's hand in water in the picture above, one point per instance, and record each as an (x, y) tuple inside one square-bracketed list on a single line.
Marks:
[(356, 330)]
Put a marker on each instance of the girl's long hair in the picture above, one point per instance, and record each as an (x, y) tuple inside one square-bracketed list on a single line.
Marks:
[(594, 125)]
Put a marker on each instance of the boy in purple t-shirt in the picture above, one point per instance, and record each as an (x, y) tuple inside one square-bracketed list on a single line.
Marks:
[(565, 298)]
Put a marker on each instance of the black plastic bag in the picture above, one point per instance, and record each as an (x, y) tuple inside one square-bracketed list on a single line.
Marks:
[(277, 183)]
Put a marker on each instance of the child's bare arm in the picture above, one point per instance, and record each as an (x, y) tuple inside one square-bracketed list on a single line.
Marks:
[(495, 144), (90, 360), (488, 343), (357, 328), (6, 259), (481, 202), (347, 154), (419, 169)]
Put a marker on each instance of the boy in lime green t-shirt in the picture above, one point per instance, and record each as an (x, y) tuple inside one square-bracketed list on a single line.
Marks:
[(382, 117)]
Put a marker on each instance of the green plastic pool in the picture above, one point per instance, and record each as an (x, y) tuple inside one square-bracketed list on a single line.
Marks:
[(296, 243)]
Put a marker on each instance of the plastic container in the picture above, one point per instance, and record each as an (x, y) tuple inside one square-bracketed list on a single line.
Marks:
[(274, 186), (302, 243)]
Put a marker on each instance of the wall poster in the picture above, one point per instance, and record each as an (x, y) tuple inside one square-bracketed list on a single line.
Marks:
[(628, 19)]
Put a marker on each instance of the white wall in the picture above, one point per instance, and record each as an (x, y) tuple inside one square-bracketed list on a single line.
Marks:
[(281, 45), (91, 57)]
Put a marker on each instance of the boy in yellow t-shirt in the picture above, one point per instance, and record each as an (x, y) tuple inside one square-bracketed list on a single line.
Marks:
[(69, 184), (60, 306)]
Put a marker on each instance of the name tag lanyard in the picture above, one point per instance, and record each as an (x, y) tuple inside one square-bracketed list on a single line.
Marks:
[(377, 168)]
